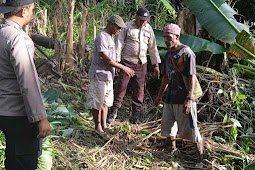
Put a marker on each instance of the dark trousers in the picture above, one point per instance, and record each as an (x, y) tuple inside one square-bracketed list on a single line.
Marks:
[(22, 145), (137, 83)]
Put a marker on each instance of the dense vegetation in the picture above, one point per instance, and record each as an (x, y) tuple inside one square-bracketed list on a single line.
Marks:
[(226, 110)]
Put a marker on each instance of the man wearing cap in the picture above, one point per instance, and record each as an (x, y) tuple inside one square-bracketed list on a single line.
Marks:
[(23, 118), (133, 42), (102, 70), (179, 67)]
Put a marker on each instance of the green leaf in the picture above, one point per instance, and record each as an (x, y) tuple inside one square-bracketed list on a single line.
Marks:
[(149, 158), (225, 118), (250, 130), (217, 17), (236, 123), (144, 131), (142, 135), (51, 95), (234, 132), (61, 110), (219, 139), (72, 113), (251, 166), (67, 132), (195, 43), (199, 44), (242, 96), (45, 160), (247, 68), (126, 128), (169, 8), (212, 71), (243, 48)]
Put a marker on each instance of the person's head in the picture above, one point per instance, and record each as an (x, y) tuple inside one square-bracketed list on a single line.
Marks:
[(171, 35), (142, 17), (115, 23), (23, 9)]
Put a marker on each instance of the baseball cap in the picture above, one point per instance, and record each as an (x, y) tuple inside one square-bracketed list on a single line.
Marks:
[(10, 5), (116, 19), (143, 14), (173, 29)]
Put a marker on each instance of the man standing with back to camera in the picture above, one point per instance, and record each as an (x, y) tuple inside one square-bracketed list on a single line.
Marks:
[(133, 42), (23, 118)]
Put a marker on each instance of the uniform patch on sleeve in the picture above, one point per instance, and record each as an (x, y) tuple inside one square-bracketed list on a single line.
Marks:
[(30, 46)]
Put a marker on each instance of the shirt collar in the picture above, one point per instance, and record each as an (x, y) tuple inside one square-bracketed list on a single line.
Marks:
[(10, 23), (134, 24)]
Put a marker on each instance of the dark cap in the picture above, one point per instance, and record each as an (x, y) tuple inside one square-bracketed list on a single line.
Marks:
[(10, 5), (116, 19), (143, 14)]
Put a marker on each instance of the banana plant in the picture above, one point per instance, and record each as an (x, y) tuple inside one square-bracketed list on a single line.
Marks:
[(217, 17), (195, 43), (243, 48), (169, 8)]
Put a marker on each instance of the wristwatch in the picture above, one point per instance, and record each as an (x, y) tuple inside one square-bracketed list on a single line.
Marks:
[(188, 97)]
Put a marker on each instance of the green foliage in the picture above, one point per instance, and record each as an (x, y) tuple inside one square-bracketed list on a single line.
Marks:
[(195, 43), (217, 18), (169, 8), (251, 166), (243, 48), (144, 133), (45, 160), (126, 128), (62, 117), (2, 150), (148, 159)]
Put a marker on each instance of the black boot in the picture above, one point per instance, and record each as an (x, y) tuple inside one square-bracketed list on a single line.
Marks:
[(136, 117), (112, 115)]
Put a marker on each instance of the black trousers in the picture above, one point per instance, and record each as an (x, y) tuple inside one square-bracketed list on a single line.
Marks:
[(22, 146)]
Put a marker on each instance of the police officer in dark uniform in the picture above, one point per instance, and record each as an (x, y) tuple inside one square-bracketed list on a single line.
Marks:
[(23, 118)]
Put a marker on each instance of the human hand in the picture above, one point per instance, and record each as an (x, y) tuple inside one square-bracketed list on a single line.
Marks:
[(117, 70), (187, 106), (156, 71), (130, 72), (44, 128)]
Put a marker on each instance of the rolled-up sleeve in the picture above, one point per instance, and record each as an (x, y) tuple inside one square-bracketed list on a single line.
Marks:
[(153, 50), (21, 58)]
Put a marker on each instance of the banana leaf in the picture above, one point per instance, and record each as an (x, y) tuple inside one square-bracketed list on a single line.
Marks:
[(217, 17), (251, 62), (212, 71), (169, 8), (243, 48), (45, 161), (195, 43), (244, 67), (251, 166)]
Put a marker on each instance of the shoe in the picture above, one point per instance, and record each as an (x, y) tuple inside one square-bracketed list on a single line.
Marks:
[(112, 115), (135, 118)]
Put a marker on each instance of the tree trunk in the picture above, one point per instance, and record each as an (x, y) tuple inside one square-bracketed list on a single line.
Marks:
[(69, 39), (58, 52), (186, 21), (82, 35)]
